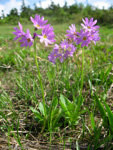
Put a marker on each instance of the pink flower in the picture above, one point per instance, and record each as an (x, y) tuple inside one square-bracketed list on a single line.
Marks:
[(47, 35), (26, 40), (19, 32), (89, 24), (38, 22), (72, 32), (84, 38), (72, 49), (61, 53), (64, 45), (95, 36)]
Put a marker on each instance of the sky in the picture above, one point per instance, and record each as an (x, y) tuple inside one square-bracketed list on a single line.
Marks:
[(7, 5)]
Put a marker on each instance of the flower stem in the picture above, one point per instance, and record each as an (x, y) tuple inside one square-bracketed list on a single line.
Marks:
[(39, 75), (82, 75)]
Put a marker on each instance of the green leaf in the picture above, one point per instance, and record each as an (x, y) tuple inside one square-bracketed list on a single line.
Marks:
[(98, 133), (66, 105), (80, 102), (102, 112), (53, 111), (92, 121), (55, 103), (100, 107), (36, 113), (41, 108), (107, 73), (77, 111), (110, 115), (56, 118)]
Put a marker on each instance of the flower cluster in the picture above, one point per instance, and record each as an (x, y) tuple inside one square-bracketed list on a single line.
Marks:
[(47, 35), (66, 49), (62, 51), (86, 35)]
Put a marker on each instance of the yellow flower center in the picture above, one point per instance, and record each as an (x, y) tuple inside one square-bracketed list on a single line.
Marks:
[(28, 40), (88, 27), (38, 25), (84, 38), (55, 55), (44, 36), (92, 35), (74, 33)]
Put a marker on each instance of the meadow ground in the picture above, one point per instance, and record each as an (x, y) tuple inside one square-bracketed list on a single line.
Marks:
[(20, 89)]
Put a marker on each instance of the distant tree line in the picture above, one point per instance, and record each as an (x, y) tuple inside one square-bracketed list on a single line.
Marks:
[(58, 14)]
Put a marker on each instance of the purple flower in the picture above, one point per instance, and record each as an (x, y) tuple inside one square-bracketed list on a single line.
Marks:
[(19, 32), (72, 49), (89, 24), (66, 54), (26, 40), (61, 57), (54, 54), (60, 53), (38, 22), (52, 57), (69, 51), (84, 38), (47, 35), (64, 44), (72, 32), (95, 36)]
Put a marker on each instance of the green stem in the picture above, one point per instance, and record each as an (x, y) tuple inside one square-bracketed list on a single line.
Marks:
[(39, 75), (82, 75), (67, 74)]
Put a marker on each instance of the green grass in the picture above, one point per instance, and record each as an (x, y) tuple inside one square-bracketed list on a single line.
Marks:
[(64, 122)]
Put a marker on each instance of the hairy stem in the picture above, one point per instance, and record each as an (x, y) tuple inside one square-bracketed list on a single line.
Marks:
[(82, 74), (39, 75)]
